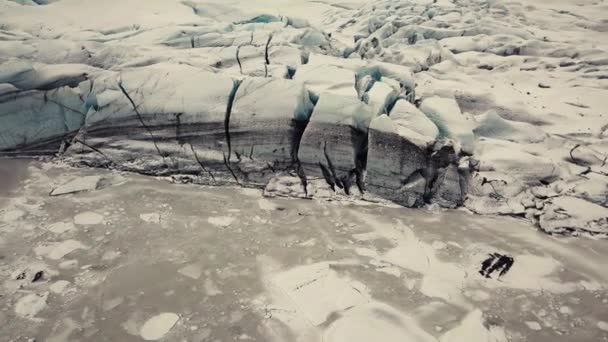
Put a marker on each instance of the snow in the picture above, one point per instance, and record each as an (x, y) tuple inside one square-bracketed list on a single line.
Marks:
[(517, 88), (61, 227), (191, 271)]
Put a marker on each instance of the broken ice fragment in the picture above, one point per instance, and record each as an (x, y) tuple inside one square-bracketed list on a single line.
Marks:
[(59, 286), (150, 217), (533, 325), (88, 218), (61, 227), (191, 271), (62, 249), (221, 221), (87, 183), (30, 305), (158, 326), (211, 289)]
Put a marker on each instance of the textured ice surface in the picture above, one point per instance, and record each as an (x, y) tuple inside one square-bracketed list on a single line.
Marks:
[(483, 104)]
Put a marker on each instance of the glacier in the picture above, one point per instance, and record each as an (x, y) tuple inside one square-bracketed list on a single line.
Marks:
[(473, 104)]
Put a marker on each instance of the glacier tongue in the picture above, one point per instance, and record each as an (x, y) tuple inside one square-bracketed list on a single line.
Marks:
[(468, 103)]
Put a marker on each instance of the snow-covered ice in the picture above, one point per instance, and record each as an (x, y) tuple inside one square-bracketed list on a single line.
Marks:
[(241, 92)]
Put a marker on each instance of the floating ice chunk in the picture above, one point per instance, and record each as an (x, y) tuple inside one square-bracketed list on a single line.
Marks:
[(59, 286), (80, 184), (211, 289), (110, 255), (64, 248), (532, 325), (112, 303), (88, 218), (61, 227), (150, 217), (318, 291), (158, 326), (221, 221), (30, 305), (68, 264), (191, 271)]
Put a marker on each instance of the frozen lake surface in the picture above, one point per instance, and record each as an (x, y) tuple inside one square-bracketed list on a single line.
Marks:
[(144, 258)]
